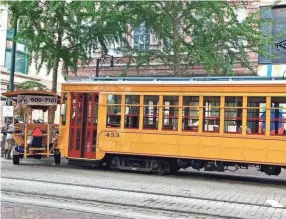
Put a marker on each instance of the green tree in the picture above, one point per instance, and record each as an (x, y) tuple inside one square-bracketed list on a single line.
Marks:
[(29, 85), (65, 32), (199, 33)]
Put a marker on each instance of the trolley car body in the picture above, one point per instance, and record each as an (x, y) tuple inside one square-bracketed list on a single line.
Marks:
[(166, 124)]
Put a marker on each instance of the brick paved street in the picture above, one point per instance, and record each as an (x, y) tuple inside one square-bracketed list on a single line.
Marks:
[(135, 195), (16, 211)]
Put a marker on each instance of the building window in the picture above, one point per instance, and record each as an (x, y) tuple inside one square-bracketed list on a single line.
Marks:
[(141, 37), (190, 114), (170, 112), (21, 59), (278, 14), (113, 116)]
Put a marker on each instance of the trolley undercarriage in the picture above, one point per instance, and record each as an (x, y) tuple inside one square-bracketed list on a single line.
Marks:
[(162, 166)]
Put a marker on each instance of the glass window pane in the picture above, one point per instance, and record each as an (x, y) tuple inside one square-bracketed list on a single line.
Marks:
[(20, 47), (132, 99), (170, 118), (20, 62), (149, 99), (211, 114), (278, 116), (8, 59), (114, 99), (256, 116), (9, 44), (190, 113), (170, 100)]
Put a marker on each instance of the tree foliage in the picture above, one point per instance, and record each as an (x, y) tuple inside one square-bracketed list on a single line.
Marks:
[(191, 33), (67, 32), (199, 33), (30, 85)]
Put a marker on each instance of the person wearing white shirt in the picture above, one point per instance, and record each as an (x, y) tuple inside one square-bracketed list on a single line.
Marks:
[(9, 140)]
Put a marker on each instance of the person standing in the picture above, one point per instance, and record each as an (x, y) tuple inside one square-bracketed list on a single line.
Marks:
[(3, 139), (9, 139)]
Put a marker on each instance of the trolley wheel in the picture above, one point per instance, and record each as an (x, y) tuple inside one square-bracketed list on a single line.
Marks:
[(16, 159), (173, 167), (57, 158), (163, 168), (113, 164)]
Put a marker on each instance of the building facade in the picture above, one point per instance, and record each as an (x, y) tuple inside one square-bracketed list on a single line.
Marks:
[(274, 66), (115, 63), (23, 71)]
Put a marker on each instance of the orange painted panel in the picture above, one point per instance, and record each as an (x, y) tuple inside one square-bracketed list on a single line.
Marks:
[(216, 148)]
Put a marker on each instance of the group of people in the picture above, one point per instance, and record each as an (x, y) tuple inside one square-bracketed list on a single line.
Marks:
[(7, 141)]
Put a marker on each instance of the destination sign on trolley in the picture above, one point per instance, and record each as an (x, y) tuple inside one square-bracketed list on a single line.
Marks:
[(37, 100)]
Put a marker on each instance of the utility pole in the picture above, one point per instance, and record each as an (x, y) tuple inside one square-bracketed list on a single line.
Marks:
[(13, 56), (12, 68)]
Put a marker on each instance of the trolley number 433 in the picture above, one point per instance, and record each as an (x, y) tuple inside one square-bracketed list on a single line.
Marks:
[(112, 135)]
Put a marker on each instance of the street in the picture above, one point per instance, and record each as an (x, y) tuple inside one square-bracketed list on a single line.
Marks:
[(39, 189)]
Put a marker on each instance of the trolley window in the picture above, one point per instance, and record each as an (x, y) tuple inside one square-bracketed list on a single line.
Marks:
[(113, 116), (151, 112), (211, 114), (190, 114), (278, 116), (233, 115), (132, 111), (256, 113), (170, 113)]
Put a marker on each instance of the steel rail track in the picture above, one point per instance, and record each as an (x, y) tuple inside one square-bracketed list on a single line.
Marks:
[(142, 192), (232, 178), (114, 204), (216, 176)]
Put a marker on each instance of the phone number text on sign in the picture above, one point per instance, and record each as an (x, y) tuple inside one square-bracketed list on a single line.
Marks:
[(46, 100), (37, 100)]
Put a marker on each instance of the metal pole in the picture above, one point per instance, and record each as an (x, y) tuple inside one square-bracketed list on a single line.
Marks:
[(12, 69), (97, 67), (13, 55)]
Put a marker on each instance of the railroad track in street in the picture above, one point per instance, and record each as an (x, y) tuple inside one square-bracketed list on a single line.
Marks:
[(232, 178), (215, 176), (178, 205), (105, 204), (139, 191)]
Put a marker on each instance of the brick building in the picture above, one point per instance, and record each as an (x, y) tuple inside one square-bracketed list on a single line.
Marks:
[(115, 63)]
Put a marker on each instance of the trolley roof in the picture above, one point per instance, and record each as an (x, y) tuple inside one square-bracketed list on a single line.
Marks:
[(180, 80)]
